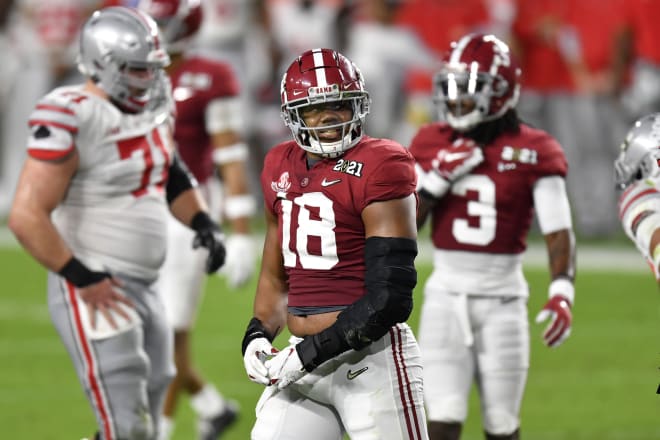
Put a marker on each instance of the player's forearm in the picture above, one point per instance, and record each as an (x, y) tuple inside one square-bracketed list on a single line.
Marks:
[(38, 236), (561, 253), (239, 204), (186, 205)]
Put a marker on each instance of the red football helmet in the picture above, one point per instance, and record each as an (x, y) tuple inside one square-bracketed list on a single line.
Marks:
[(478, 81), (319, 76), (178, 19)]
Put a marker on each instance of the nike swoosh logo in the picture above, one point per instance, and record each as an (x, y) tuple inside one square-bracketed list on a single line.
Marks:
[(350, 375), (325, 182), (450, 157)]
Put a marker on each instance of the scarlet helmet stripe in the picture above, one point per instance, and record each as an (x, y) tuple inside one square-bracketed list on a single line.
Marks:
[(319, 62)]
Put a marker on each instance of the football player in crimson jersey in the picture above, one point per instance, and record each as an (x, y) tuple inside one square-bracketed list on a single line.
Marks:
[(337, 269), (482, 174), (207, 134), (91, 207), (638, 174)]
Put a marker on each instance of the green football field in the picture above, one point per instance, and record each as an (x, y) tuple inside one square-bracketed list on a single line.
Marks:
[(600, 385)]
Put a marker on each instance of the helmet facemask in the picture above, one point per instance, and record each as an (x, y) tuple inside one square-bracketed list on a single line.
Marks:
[(456, 89), (311, 139)]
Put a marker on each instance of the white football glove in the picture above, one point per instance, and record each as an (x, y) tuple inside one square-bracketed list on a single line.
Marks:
[(257, 353), (451, 164), (240, 263), (285, 368)]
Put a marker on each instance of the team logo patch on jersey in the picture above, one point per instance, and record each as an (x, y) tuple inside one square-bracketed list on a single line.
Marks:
[(522, 155), (283, 184), (351, 167)]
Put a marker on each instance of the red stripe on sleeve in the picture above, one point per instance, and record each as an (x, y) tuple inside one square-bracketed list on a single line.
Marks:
[(66, 127), (41, 154), (55, 109)]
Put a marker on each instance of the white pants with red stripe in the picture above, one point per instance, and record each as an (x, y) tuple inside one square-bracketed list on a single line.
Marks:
[(371, 394), (125, 372)]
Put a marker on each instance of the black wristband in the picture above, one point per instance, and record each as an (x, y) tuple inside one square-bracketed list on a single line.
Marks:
[(315, 349), (202, 221), (79, 275), (254, 331)]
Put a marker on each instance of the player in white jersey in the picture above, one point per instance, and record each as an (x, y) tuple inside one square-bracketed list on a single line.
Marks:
[(637, 172), (90, 206), (207, 125)]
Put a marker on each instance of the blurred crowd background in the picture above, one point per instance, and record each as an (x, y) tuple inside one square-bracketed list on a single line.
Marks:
[(590, 68)]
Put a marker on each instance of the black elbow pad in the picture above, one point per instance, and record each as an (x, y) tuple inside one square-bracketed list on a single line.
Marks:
[(389, 280), (180, 179)]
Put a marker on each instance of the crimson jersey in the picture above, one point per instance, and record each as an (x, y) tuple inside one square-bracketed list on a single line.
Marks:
[(319, 214), (200, 85), (490, 209)]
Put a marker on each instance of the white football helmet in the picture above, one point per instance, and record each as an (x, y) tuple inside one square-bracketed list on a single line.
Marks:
[(321, 76), (121, 50), (640, 152)]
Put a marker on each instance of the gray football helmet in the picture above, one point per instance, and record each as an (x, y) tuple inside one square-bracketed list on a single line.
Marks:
[(122, 51), (640, 152)]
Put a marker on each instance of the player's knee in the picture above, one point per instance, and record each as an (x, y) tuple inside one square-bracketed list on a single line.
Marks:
[(499, 422), (447, 409)]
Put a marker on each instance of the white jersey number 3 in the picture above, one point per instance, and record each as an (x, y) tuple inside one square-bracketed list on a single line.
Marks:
[(483, 208), (305, 227)]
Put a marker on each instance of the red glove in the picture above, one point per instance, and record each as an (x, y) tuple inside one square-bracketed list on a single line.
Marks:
[(558, 309), (453, 163)]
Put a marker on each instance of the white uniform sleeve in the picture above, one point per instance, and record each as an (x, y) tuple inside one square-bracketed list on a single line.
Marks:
[(551, 204), (53, 125), (224, 114)]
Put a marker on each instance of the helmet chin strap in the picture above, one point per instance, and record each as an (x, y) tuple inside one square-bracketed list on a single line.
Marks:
[(464, 122), (334, 149)]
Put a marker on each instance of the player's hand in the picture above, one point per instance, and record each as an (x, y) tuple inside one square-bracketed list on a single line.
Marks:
[(256, 354), (285, 368), (453, 163), (104, 298), (241, 260), (209, 236), (449, 165), (558, 309)]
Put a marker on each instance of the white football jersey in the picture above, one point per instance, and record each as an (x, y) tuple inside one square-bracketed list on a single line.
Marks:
[(113, 215), (639, 211)]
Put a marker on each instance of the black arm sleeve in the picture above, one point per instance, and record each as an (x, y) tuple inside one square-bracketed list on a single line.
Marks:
[(180, 179), (389, 280)]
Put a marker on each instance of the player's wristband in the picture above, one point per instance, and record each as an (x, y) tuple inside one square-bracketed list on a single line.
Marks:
[(563, 287), (202, 222), (79, 275), (254, 331), (434, 185)]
